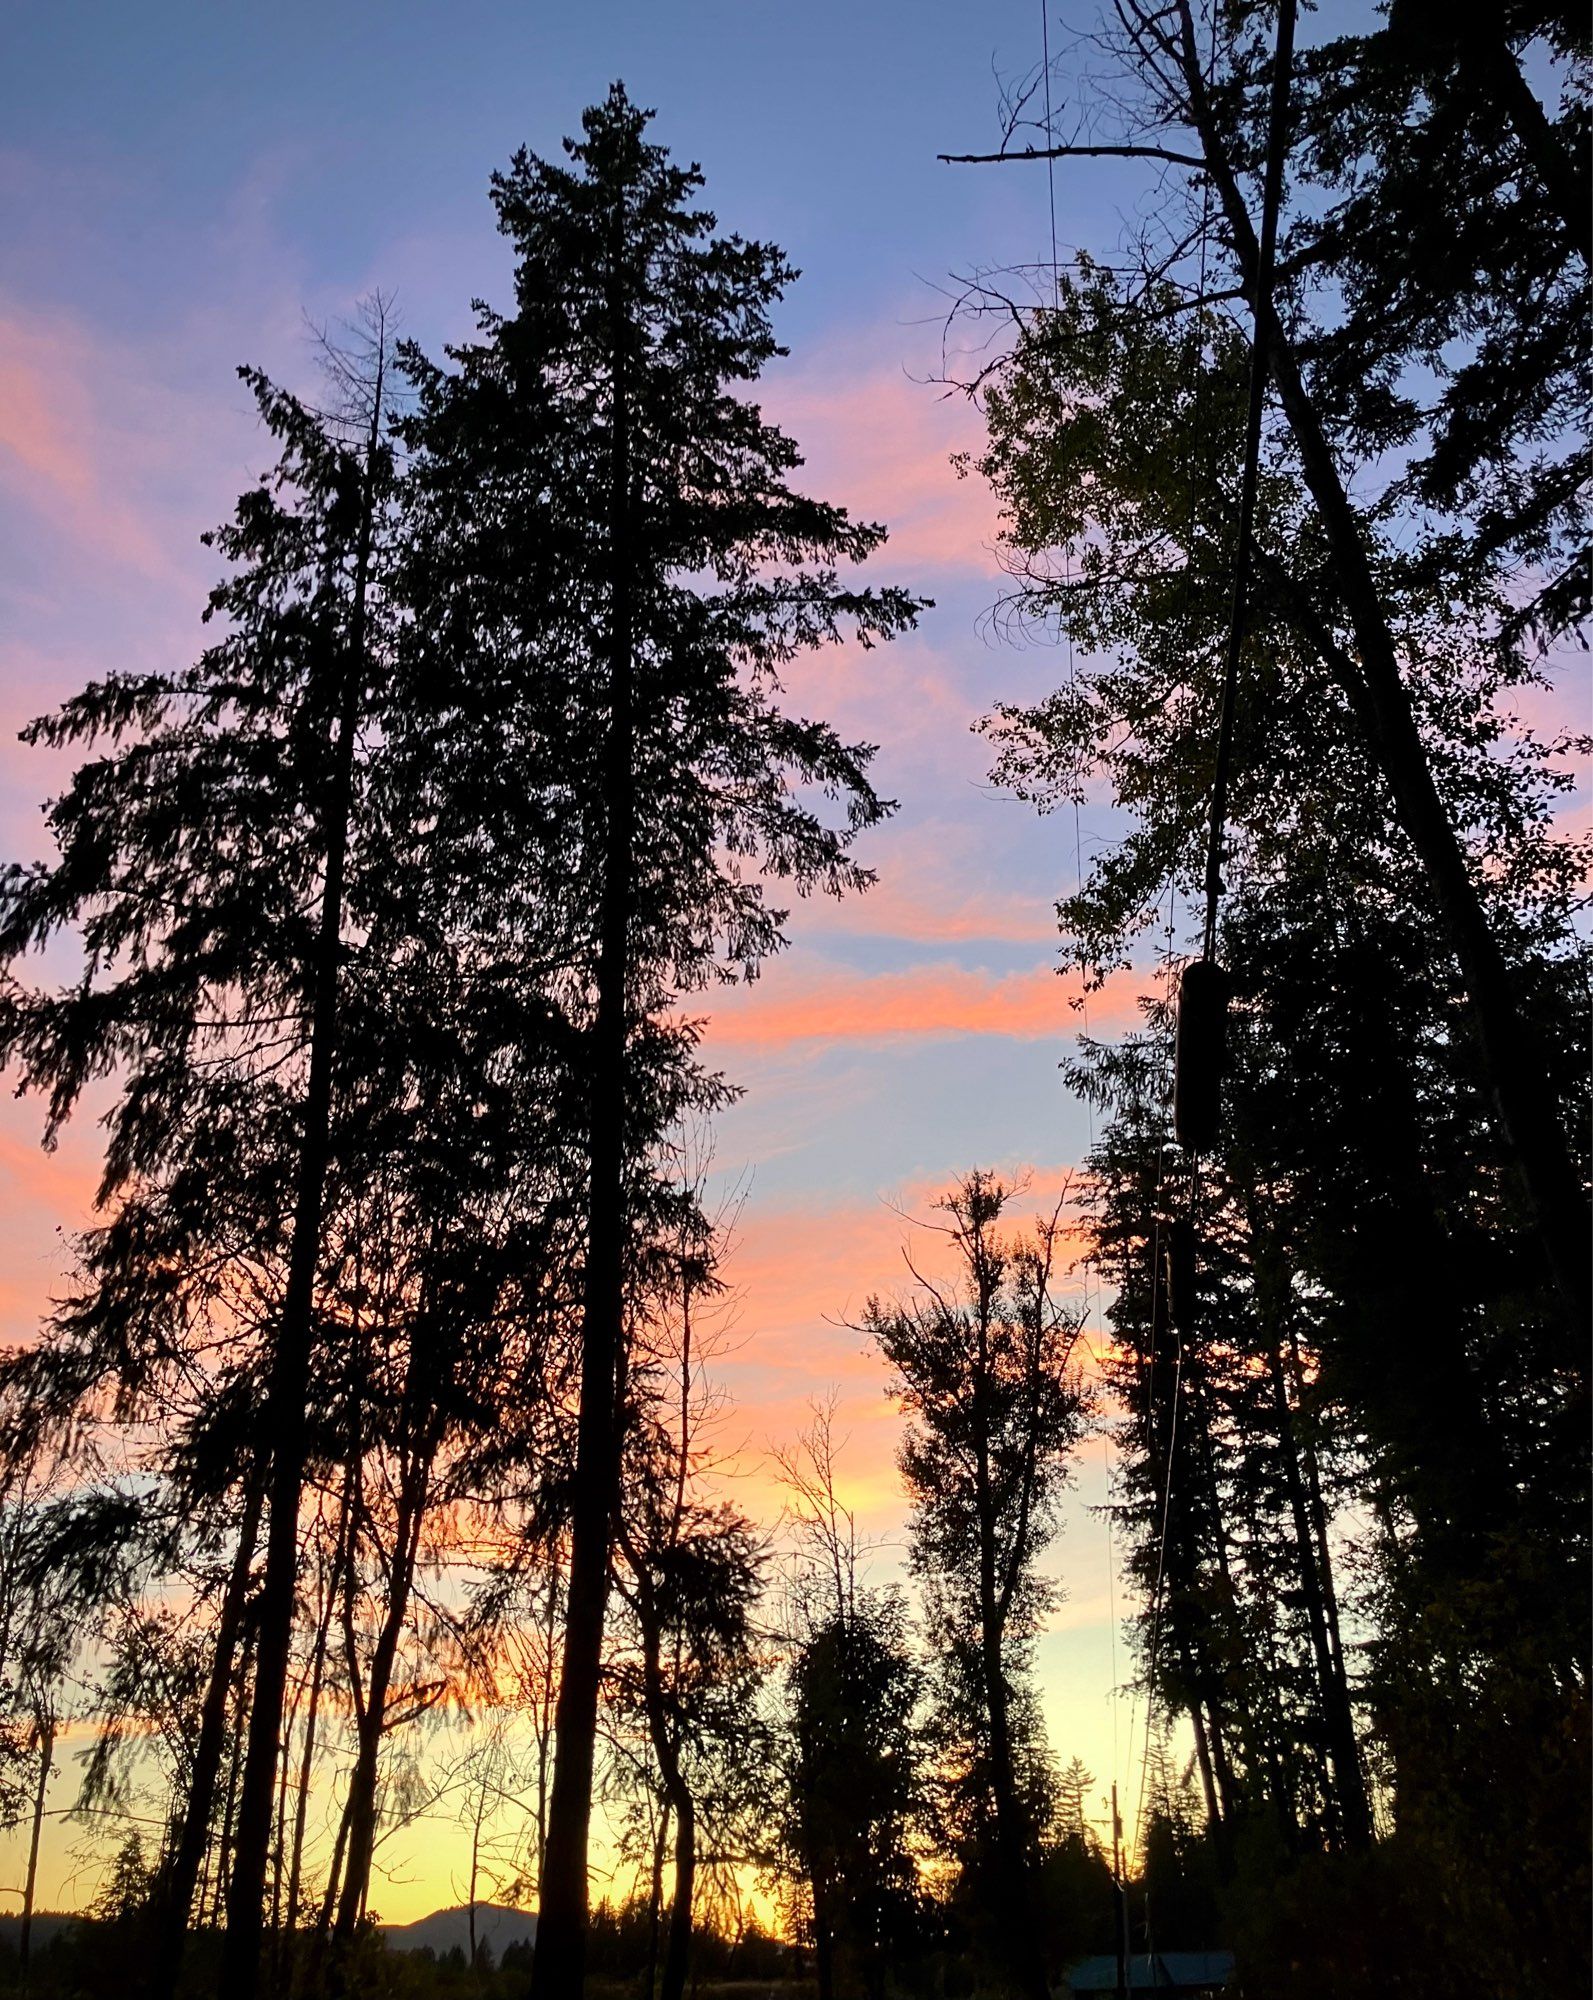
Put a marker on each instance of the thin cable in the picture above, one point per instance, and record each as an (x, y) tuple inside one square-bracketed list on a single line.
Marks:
[(1196, 397), (1111, 1592), (1156, 1596), (1050, 142), (1271, 201), (1078, 879)]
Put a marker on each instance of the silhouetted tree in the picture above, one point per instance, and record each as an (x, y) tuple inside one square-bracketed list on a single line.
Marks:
[(207, 863), (855, 1798), (618, 571), (1481, 434), (982, 1370)]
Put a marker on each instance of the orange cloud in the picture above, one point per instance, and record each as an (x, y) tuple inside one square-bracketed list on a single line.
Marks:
[(44, 1199), (801, 1274), (922, 1001)]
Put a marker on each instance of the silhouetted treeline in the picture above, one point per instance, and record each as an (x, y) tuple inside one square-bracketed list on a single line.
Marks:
[(1350, 1336), (363, 1480)]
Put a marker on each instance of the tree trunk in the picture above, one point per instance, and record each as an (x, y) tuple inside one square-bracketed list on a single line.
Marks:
[(175, 1892), (362, 1786), (301, 1810), (677, 1797), (677, 1950), (1187, 1609), (1319, 1524), (655, 1902), (229, 1809), (46, 1760), (1208, 1786), (1528, 1114), (559, 1966), (286, 1415), (1022, 1944), (1338, 1720), (323, 1922), (545, 1695)]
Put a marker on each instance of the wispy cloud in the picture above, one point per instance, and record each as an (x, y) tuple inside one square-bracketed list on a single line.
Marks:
[(55, 441), (883, 444), (925, 1001)]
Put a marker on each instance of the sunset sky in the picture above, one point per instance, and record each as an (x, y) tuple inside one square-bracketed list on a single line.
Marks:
[(185, 185)]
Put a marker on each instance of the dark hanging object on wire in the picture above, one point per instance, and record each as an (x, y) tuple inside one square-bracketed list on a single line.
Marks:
[(1178, 1240), (1199, 1052)]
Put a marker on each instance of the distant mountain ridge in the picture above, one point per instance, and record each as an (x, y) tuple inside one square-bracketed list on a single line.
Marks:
[(47, 1925), (496, 1924)]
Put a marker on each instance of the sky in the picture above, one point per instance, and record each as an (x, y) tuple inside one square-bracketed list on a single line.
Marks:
[(188, 187)]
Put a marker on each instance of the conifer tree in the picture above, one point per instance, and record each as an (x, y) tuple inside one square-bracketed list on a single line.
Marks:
[(207, 858), (614, 571)]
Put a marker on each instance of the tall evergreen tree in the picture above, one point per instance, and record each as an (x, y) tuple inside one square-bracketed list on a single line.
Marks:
[(206, 863), (617, 571)]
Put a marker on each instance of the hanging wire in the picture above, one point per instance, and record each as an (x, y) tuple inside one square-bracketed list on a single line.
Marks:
[(1090, 1272), (1050, 142), (1272, 191), (1271, 200), (1193, 483)]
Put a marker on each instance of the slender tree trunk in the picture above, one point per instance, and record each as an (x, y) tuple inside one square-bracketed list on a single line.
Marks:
[(229, 1809), (334, 1879), (288, 1388), (655, 1901), (1012, 1833), (30, 1881), (1187, 1613), (677, 1796), (1339, 1722), (362, 1786), (1319, 1522), (320, 1937), (545, 1702), (1208, 1787), (301, 1810), (279, 1854), (559, 1965), (175, 1892), (677, 1952), (475, 1869), (1512, 1059), (1022, 1945)]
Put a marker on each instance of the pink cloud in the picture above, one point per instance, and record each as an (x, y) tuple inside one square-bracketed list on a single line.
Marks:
[(45, 1198), (882, 444), (922, 1001), (57, 444), (802, 1273), (962, 914), (938, 882)]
